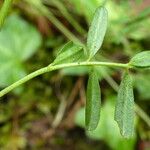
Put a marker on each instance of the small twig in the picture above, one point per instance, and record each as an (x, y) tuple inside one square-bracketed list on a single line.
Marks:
[(75, 91), (63, 104), (60, 113), (83, 95), (61, 109)]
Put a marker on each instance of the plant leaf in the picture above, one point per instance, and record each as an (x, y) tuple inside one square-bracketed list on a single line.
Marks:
[(69, 53), (106, 130), (93, 102), (26, 38), (124, 111), (141, 60), (97, 31), (18, 41)]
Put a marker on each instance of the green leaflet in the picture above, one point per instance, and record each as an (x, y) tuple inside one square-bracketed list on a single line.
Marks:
[(97, 31), (141, 60), (106, 130), (93, 102), (69, 53), (124, 111)]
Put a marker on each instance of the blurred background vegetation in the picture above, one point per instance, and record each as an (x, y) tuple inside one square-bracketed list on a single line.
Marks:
[(48, 111)]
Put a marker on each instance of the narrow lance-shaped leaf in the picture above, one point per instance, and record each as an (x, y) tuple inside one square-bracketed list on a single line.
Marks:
[(141, 60), (69, 53), (97, 31), (124, 111), (93, 102)]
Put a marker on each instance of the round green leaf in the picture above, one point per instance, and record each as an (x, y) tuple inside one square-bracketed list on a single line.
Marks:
[(18, 41)]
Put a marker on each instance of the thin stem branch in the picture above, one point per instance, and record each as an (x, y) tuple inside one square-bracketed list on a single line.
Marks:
[(23, 80), (56, 67), (50, 68), (4, 11), (60, 5), (142, 114), (60, 113), (42, 9)]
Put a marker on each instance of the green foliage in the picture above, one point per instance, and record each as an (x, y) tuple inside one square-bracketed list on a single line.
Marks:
[(138, 27), (69, 53), (107, 130), (141, 60), (124, 111), (139, 30), (124, 24), (4, 11), (18, 42), (97, 31), (93, 101)]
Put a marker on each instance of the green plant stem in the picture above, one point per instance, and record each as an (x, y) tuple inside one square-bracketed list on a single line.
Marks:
[(61, 27), (59, 4), (56, 67), (142, 114), (43, 10), (4, 11), (144, 14), (23, 80), (50, 68)]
